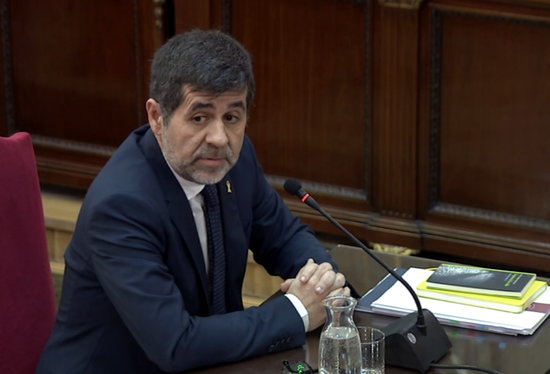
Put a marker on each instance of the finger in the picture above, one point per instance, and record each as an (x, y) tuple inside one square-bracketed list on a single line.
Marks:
[(340, 291), (319, 271), (322, 278), (312, 272), (331, 281), (307, 271), (340, 280), (326, 282), (286, 285)]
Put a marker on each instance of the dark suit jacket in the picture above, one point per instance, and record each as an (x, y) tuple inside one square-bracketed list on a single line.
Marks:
[(135, 291)]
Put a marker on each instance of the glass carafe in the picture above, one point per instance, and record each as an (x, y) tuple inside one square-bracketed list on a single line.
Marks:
[(339, 345)]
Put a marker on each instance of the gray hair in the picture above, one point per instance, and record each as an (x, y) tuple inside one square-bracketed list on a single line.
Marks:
[(207, 60)]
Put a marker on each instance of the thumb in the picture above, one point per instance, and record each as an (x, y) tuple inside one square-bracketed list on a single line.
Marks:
[(286, 285)]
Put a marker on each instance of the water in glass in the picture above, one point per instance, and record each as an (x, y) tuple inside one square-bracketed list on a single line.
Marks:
[(339, 346)]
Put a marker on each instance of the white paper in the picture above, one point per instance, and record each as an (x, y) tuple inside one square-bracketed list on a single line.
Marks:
[(398, 299)]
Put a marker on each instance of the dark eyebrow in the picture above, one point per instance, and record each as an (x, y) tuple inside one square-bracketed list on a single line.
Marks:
[(201, 105), (238, 104)]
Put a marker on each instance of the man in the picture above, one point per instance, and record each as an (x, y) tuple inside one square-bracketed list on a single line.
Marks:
[(146, 289)]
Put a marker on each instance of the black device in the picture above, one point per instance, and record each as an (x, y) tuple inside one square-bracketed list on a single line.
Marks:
[(414, 341)]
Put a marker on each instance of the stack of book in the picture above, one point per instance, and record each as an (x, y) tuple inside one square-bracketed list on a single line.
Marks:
[(510, 291), (514, 312)]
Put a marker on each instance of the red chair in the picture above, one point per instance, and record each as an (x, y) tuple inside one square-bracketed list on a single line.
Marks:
[(27, 299)]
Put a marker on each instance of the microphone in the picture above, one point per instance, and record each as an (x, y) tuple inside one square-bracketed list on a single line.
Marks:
[(413, 341)]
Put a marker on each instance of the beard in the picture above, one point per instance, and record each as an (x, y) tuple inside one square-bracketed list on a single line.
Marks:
[(192, 170)]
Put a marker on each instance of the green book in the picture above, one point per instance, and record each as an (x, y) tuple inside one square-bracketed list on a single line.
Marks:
[(480, 280), (505, 303)]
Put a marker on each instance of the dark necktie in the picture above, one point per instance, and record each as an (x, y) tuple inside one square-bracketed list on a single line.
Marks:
[(216, 252)]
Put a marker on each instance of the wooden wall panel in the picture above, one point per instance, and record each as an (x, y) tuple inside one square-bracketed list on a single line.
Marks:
[(492, 117), (201, 14), (488, 179), (394, 107), (309, 121), (76, 74), (79, 74)]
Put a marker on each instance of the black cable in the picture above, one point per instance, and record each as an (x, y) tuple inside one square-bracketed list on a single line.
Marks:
[(466, 367)]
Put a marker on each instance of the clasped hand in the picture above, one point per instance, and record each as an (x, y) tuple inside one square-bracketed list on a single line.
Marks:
[(312, 284)]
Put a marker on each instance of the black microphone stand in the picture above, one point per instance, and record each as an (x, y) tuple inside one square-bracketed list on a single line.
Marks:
[(414, 341)]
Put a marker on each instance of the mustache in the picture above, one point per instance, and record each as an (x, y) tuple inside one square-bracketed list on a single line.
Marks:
[(214, 152)]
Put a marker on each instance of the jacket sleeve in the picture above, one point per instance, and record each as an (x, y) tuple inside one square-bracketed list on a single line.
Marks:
[(280, 241)]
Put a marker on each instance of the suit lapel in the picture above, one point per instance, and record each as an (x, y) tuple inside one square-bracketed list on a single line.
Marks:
[(178, 206)]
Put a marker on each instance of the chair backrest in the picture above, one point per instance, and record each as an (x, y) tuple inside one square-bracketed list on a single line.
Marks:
[(27, 299)]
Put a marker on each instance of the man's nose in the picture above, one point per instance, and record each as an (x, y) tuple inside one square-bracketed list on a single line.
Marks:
[(217, 134)]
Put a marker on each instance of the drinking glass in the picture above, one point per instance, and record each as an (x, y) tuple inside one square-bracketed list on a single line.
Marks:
[(372, 350)]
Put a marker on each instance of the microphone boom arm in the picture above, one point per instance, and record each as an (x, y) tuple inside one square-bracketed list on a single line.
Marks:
[(413, 341), (420, 320)]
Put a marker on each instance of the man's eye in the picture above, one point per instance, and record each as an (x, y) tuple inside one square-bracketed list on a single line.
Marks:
[(231, 118), (198, 119)]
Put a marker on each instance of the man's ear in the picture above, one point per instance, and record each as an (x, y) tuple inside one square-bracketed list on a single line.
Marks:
[(154, 114)]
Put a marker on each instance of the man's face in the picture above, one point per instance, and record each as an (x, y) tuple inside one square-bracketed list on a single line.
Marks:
[(204, 136)]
